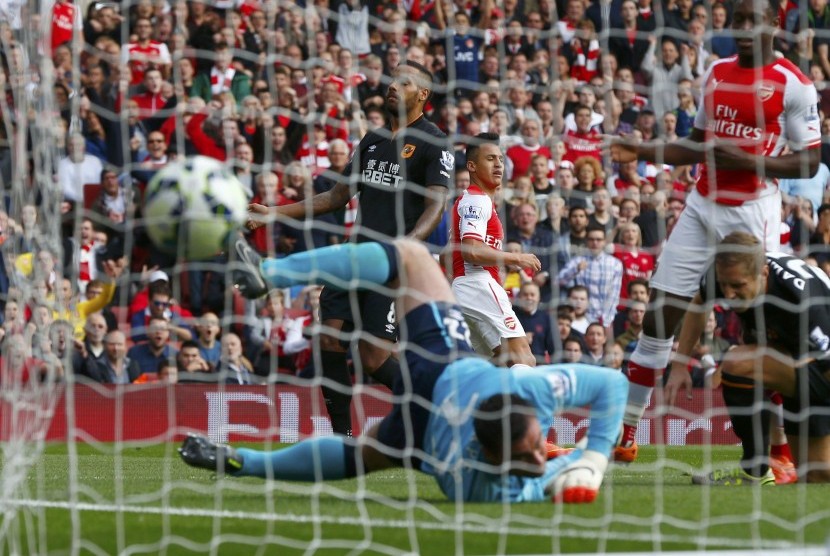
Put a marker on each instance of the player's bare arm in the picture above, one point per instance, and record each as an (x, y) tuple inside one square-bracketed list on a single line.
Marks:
[(693, 324), (777, 367), (801, 164), (322, 203), (435, 201), (477, 252), (685, 151)]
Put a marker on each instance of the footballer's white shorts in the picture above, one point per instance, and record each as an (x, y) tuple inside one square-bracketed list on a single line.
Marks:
[(488, 312), (691, 247)]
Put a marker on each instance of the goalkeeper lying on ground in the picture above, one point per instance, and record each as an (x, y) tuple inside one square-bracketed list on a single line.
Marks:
[(478, 429)]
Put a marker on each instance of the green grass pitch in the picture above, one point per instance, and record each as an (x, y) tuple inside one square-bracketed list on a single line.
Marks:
[(108, 499)]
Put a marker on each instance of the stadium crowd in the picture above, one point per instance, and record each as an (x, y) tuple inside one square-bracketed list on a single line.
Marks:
[(283, 92)]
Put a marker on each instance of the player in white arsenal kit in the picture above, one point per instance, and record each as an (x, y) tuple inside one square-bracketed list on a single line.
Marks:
[(754, 106), (477, 236)]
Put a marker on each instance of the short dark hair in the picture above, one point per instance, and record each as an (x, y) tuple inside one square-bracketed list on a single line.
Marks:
[(595, 227), (573, 340), (423, 69), (582, 107), (159, 287), (577, 288), (575, 208), (636, 282), (823, 208), (501, 420), (188, 344), (481, 139)]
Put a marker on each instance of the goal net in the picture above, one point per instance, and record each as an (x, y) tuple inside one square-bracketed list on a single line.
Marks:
[(112, 350)]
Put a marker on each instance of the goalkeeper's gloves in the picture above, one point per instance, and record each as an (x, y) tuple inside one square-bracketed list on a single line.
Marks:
[(579, 482)]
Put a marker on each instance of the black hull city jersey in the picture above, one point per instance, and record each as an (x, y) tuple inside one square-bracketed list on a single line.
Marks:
[(794, 313), (392, 172)]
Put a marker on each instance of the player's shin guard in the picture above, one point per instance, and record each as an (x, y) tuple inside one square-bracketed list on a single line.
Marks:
[(649, 359), (386, 373), (336, 266), (750, 425), (315, 459), (337, 396)]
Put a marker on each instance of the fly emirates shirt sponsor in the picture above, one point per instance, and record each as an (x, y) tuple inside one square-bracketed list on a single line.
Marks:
[(761, 110)]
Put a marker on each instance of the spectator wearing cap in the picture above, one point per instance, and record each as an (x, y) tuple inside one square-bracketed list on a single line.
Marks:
[(153, 278), (159, 304)]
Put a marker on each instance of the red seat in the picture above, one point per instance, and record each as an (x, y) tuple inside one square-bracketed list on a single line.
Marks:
[(91, 192)]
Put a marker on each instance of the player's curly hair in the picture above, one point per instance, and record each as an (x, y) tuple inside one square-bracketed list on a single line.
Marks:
[(741, 248), (501, 420)]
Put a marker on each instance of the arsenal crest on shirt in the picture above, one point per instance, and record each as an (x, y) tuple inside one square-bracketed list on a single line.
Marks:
[(765, 91)]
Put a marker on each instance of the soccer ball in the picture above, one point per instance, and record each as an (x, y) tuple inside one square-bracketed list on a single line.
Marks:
[(193, 207)]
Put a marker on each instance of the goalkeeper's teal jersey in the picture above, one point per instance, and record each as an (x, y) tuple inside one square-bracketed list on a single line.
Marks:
[(453, 454)]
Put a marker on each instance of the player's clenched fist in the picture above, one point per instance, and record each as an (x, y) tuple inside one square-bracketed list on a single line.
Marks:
[(579, 482), (257, 215)]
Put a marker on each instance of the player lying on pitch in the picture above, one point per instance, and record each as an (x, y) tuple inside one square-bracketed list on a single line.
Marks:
[(480, 430)]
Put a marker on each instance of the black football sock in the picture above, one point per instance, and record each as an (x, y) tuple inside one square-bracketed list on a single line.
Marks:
[(749, 421), (338, 403), (386, 373)]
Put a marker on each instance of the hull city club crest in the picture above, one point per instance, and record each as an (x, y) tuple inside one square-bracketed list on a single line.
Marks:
[(408, 150)]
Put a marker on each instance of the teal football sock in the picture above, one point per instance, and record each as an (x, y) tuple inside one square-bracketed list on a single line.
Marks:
[(337, 266), (315, 459)]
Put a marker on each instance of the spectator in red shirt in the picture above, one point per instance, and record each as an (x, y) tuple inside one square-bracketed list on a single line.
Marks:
[(520, 156), (584, 141), (636, 263), (151, 100)]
